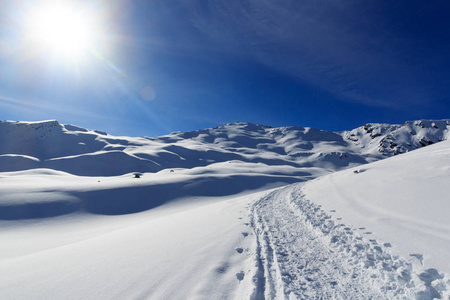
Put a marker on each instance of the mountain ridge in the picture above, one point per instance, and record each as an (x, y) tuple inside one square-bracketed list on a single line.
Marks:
[(80, 151)]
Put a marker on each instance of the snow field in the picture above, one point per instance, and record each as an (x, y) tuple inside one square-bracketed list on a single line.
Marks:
[(196, 249)]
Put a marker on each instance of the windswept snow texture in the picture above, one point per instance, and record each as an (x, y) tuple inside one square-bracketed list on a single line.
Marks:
[(206, 217)]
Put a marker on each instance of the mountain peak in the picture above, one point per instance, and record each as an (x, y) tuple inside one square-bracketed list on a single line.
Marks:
[(34, 124), (246, 126)]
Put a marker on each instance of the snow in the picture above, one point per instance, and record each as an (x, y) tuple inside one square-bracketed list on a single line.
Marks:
[(83, 152), (308, 256), (182, 247), (177, 253), (209, 217), (402, 200)]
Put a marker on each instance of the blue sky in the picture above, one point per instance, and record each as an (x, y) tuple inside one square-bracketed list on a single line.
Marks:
[(168, 65)]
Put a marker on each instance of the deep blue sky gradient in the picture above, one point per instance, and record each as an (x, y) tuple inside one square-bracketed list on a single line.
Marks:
[(333, 65)]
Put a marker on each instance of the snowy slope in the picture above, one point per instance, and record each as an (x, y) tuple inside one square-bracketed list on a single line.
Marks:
[(379, 231), (193, 249), (303, 253), (396, 139), (404, 200), (203, 221)]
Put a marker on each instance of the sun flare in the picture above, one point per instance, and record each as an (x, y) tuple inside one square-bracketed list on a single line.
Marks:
[(62, 30)]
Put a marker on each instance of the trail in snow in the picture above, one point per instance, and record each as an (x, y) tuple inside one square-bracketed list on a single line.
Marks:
[(303, 253)]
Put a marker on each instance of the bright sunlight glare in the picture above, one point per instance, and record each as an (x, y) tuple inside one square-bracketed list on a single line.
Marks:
[(62, 29)]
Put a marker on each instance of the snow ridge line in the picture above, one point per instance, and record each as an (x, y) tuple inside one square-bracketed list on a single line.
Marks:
[(303, 253)]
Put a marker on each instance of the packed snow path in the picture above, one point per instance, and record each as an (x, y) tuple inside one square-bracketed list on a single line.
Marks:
[(302, 253)]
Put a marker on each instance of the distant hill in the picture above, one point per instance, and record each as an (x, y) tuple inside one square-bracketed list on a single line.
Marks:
[(80, 151)]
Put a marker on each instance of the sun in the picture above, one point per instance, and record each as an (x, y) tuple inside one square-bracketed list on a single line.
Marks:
[(62, 29)]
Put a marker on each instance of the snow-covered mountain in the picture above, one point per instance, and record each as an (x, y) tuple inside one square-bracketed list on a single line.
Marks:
[(396, 139), (79, 151), (208, 218)]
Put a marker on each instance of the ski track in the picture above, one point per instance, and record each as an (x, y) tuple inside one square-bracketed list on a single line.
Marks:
[(302, 253)]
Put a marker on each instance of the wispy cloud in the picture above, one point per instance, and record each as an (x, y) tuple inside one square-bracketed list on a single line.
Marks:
[(342, 47), (32, 107)]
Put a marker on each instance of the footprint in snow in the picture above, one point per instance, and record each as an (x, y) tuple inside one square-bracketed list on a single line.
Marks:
[(223, 268), (418, 256), (428, 276), (240, 276)]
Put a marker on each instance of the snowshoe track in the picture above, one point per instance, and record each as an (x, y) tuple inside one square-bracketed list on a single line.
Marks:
[(303, 254)]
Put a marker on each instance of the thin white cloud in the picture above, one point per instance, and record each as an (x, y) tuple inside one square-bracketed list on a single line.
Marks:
[(53, 108), (317, 42)]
